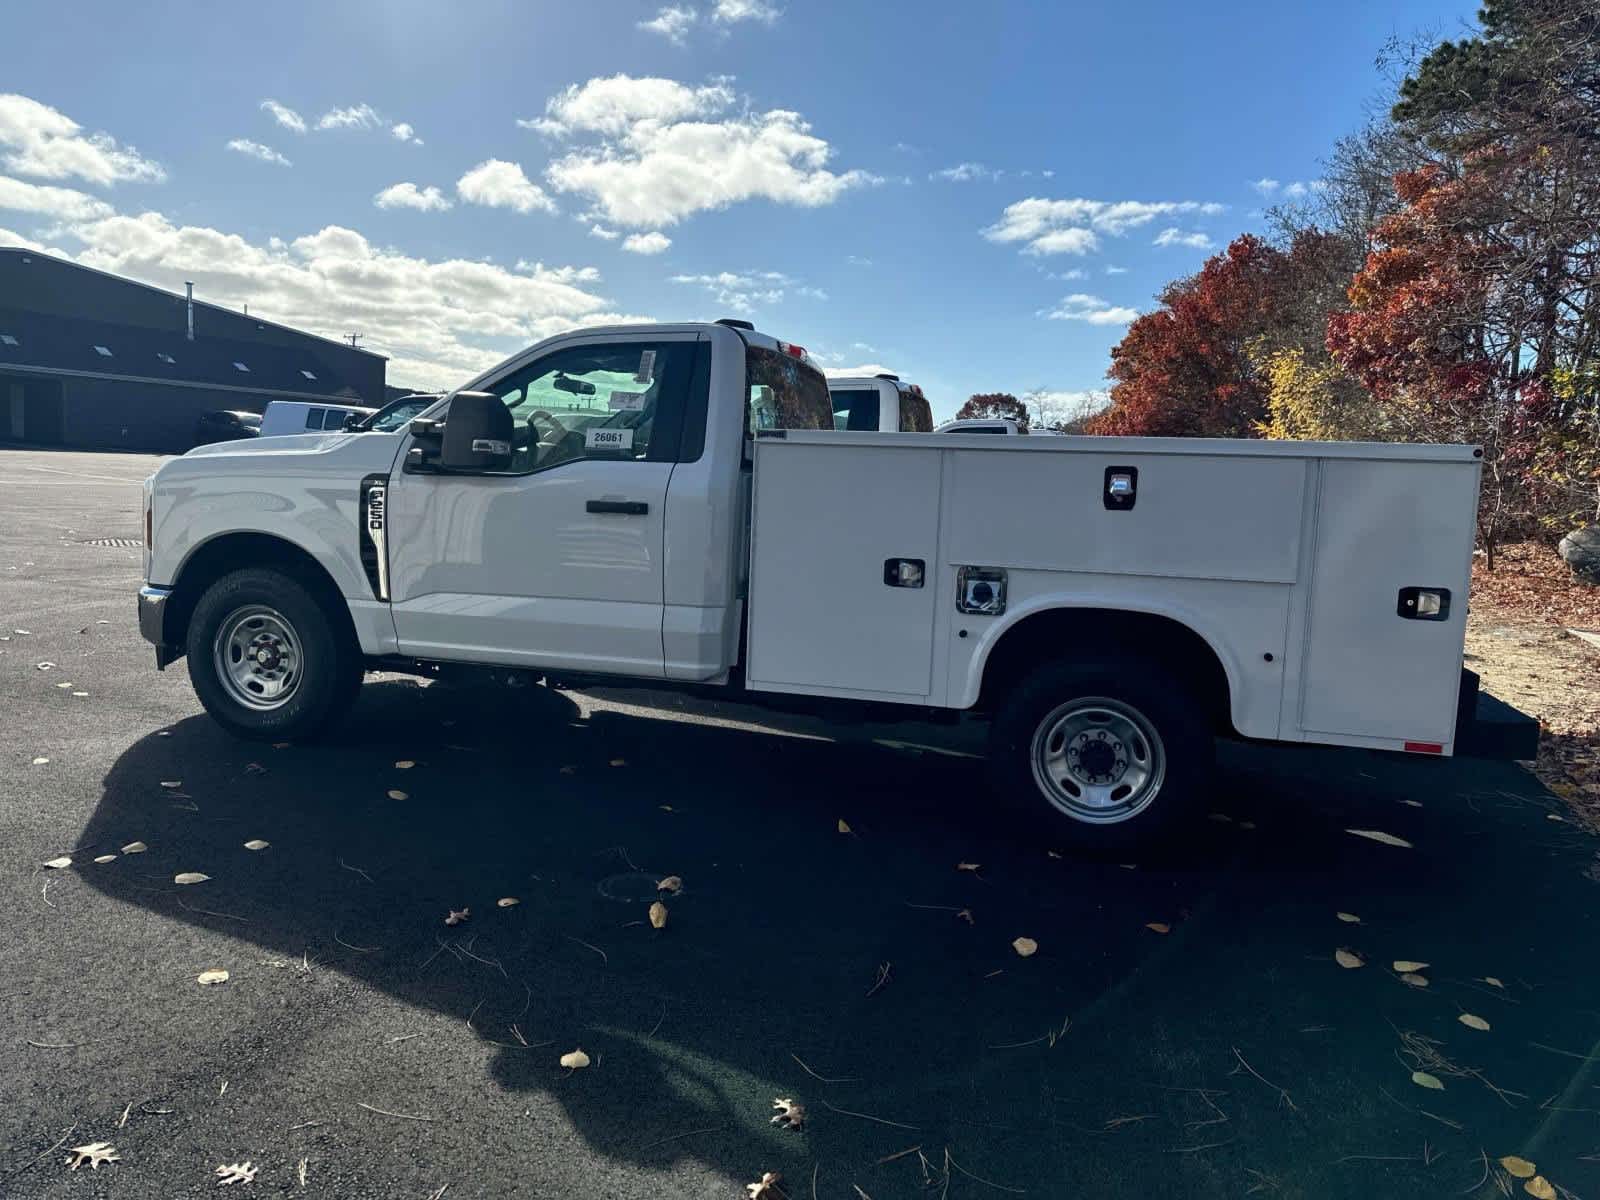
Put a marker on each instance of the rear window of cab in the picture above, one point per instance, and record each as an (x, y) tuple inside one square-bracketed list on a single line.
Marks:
[(784, 392)]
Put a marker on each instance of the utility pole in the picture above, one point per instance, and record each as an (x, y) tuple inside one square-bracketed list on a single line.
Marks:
[(354, 338)]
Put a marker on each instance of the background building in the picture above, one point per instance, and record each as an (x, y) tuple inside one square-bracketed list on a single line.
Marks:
[(93, 360)]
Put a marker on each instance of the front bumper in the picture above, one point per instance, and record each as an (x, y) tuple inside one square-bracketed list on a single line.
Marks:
[(153, 623)]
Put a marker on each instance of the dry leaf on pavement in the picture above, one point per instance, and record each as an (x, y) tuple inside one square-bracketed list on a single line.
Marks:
[(135, 848), (105, 858), (658, 915), (619, 762), (965, 915), (60, 864), (1025, 946), (1473, 1021), (575, 1060), (790, 1115), (172, 785), (457, 916), (766, 1186), (671, 884), (1521, 1168), (508, 902), (966, 866), (244, 1172), (1493, 982), (40, 761), (214, 975), (1423, 1079), (190, 877), (1348, 958), (256, 844), (1158, 927), (844, 826), (1539, 1188), (397, 794), (1388, 839), (1348, 918), (1405, 966), (94, 1154), (1415, 980), (405, 764)]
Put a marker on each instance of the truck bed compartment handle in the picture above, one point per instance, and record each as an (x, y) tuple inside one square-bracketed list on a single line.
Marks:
[(631, 508)]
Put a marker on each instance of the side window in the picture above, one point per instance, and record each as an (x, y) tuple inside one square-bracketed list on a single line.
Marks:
[(856, 409), (618, 402), (314, 418)]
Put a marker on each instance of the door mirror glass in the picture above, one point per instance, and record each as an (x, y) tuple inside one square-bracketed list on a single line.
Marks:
[(478, 434)]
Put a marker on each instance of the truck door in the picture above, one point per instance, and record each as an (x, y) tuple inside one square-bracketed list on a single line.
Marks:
[(557, 562)]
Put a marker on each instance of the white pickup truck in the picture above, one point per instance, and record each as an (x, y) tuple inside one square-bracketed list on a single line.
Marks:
[(597, 510), (883, 402)]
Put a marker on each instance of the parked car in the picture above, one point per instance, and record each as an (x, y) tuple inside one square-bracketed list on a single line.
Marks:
[(602, 509), (298, 416), (1001, 425), (226, 425), (881, 402)]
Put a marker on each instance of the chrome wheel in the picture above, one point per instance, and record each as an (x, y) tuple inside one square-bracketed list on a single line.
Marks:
[(258, 658), (1098, 760)]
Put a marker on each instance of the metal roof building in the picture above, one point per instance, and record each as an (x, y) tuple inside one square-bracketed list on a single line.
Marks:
[(94, 360)]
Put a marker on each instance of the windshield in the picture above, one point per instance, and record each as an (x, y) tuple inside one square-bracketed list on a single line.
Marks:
[(785, 392), (397, 413)]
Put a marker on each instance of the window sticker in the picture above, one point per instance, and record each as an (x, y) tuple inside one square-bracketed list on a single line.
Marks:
[(627, 401), (647, 367), (599, 438)]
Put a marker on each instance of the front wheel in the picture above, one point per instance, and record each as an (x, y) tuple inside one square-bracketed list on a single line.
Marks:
[(268, 660), (1109, 754)]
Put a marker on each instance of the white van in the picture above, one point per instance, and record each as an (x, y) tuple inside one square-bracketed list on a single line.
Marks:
[(299, 416)]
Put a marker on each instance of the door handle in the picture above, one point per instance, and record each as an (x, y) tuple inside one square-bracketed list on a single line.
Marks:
[(629, 508)]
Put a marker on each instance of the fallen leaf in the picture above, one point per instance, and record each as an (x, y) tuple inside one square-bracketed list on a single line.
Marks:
[(671, 884), (569, 770), (397, 794), (966, 915), (254, 768), (1388, 839), (214, 975), (1348, 958), (456, 917), (59, 864), (1520, 1168), (256, 844), (844, 826), (135, 848), (39, 762), (1220, 818), (190, 877), (44, 666), (575, 1060), (1555, 817), (80, 695), (1473, 1021), (658, 915), (105, 858), (1539, 1188), (1348, 918), (619, 762), (1412, 803), (236, 1173), (1423, 1079), (1053, 853), (767, 1185), (281, 745), (1405, 966), (966, 866), (1415, 980), (1493, 982), (172, 784), (1158, 926), (508, 902), (1247, 824), (790, 1115), (666, 808), (405, 764), (94, 1154), (1025, 947)]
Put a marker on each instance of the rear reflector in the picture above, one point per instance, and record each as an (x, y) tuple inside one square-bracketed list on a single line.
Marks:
[(1424, 748)]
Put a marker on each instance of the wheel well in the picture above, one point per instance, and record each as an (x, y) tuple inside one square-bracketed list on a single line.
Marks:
[(232, 552), (1065, 632)]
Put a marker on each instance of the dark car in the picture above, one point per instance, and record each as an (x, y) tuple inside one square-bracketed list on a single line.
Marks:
[(226, 426)]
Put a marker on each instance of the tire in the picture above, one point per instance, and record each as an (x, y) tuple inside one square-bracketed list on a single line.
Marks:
[(303, 668), (1107, 754)]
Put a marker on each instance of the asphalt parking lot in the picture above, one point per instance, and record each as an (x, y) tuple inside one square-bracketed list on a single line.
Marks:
[(1184, 1028)]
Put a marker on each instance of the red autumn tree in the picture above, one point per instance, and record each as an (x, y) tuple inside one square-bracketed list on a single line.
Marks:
[(989, 406)]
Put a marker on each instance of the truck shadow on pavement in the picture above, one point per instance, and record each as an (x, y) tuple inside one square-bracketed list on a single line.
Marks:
[(1183, 1028)]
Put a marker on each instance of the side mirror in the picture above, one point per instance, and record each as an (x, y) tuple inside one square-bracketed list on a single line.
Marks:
[(478, 434), (353, 421)]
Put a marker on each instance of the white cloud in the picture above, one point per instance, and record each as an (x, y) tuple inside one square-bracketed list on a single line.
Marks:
[(1296, 189), (1071, 226), (653, 242), (256, 150), (358, 116), (857, 260), (730, 12), (10, 237), (409, 195), (742, 291), (1082, 307), (604, 234), (663, 151), (1177, 237), (1265, 185), (285, 116), (64, 204), (35, 139), (1068, 276), (966, 172), (1116, 270), (440, 320), (403, 132), (673, 23), (496, 183)]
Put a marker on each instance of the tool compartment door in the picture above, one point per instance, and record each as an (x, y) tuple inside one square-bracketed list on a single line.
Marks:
[(826, 520)]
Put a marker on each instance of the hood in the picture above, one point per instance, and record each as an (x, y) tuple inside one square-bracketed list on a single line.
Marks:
[(335, 452)]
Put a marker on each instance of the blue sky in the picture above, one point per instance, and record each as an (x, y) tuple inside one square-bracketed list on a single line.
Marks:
[(797, 164)]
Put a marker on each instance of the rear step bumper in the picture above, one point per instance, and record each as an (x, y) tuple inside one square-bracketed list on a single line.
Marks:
[(1487, 727)]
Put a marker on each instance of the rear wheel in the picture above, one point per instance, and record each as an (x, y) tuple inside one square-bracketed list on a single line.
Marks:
[(1108, 754), (267, 658)]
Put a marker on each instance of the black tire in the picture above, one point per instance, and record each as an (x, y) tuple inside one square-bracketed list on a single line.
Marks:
[(1138, 690), (327, 665)]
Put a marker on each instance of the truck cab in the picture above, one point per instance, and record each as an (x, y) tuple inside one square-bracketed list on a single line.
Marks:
[(879, 402)]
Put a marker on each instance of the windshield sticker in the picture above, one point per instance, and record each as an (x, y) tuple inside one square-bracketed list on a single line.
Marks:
[(627, 401), (647, 367), (600, 438)]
